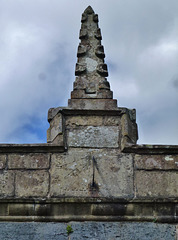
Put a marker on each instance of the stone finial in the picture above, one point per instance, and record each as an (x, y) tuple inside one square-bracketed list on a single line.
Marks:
[(89, 10), (90, 67), (91, 70)]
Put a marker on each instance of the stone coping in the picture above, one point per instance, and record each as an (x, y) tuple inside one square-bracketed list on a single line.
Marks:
[(52, 112), (151, 149), (31, 148), (55, 148)]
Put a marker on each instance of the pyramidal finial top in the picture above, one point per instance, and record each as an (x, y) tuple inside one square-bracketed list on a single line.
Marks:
[(89, 10), (91, 70)]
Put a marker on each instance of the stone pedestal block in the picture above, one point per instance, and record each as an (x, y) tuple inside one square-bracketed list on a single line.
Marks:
[(95, 104)]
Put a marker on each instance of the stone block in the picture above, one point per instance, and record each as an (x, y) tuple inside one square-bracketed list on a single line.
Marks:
[(90, 136), (92, 173), (164, 162), (56, 128), (6, 183), (154, 184), (105, 93), (52, 112), (114, 175), (72, 121), (94, 104), (32, 183), (111, 120), (128, 130), (88, 93), (70, 174), (2, 161), (28, 161)]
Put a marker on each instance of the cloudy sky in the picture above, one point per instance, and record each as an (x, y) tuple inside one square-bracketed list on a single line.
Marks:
[(38, 45)]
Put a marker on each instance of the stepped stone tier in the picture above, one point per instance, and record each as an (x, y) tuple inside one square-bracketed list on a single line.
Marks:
[(91, 173)]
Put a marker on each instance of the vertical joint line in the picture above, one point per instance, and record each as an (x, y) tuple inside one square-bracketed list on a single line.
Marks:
[(93, 180)]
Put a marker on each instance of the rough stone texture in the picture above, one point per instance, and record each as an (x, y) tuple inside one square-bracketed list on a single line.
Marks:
[(128, 129), (107, 94), (52, 112), (92, 121), (28, 161), (90, 68), (32, 183), (123, 231), (165, 162), (95, 104), (154, 184), (114, 175), (99, 137), (55, 129), (72, 174), (6, 183), (87, 230), (2, 161)]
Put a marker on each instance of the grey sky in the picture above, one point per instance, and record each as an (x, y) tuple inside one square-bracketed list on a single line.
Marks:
[(38, 45)]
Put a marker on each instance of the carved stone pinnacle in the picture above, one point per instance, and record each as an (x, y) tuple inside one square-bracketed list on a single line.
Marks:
[(91, 70)]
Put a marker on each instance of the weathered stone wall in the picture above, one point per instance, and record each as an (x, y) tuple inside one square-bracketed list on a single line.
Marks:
[(87, 230), (156, 176), (101, 183), (71, 174), (24, 175), (90, 170)]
